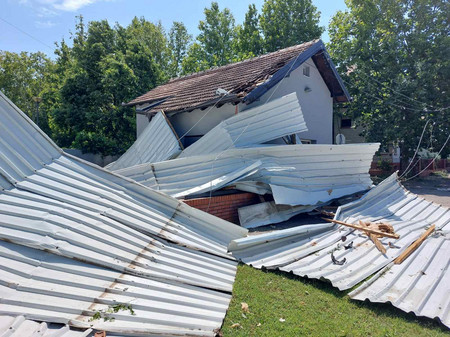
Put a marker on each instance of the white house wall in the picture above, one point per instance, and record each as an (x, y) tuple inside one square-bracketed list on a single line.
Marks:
[(317, 105), (183, 122)]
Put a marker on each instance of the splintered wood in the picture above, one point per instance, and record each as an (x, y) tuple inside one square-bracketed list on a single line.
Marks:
[(386, 230), (374, 237)]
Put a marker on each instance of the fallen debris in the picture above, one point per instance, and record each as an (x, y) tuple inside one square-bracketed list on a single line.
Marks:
[(158, 142), (381, 232), (244, 307), (93, 234), (272, 120), (403, 256)]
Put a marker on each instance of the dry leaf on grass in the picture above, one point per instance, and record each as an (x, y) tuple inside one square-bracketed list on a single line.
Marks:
[(236, 325), (244, 307)]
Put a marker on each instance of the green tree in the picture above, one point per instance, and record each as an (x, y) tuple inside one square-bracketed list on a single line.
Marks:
[(105, 67), (24, 76), (394, 59), (285, 23), (216, 35), (249, 41), (179, 41), (195, 60)]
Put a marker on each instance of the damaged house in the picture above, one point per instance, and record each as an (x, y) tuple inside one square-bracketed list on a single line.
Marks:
[(222, 92)]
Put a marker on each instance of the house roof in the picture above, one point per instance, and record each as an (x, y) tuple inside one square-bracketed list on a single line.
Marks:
[(245, 81)]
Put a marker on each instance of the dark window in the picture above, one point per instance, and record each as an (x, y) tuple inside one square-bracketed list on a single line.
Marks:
[(346, 123), (306, 71)]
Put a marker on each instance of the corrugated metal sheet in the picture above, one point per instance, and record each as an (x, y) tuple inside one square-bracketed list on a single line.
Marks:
[(278, 248), (388, 202), (297, 174), (47, 287), (266, 213), (275, 119), (156, 143), (55, 202), (420, 284), (19, 326)]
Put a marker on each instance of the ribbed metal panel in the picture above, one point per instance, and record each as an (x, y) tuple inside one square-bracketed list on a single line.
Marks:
[(266, 213), (19, 326), (275, 119), (58, 203), (297, 174), (420, 284), (388, 202), (47, 287), (156, 143), (279, 248)]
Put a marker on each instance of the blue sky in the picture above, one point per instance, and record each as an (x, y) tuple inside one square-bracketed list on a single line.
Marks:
[(42, 22)]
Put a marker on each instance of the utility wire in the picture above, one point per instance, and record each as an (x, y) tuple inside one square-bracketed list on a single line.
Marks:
[(417, 150), (434, 159)]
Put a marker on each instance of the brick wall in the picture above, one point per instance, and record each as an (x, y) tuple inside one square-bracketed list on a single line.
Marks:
[(225, 206)]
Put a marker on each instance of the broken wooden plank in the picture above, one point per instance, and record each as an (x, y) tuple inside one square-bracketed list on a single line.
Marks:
[(375, 240), (402, 257), (364, 229)]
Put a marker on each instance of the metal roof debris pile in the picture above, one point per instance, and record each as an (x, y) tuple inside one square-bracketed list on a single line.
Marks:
[(275, 119), (345, 256), (105, 237), (157, 142), (302, 174)]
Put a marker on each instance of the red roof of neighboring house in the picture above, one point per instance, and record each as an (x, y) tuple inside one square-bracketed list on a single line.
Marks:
[(239, 79)]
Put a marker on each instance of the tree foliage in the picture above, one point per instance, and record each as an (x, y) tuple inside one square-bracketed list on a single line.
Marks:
[(179, 41), (393, 55), (24, 76), (285, 23), (249, 41), (105, 67)]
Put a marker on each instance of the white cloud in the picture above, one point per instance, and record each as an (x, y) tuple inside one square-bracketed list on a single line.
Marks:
[(45, 12), (45, 24), (49, 8), (72, 5)]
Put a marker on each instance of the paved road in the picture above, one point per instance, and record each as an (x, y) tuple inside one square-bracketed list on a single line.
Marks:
[(434, 188)]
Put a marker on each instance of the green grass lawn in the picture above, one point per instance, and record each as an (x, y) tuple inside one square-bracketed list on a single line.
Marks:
[(312, 308)]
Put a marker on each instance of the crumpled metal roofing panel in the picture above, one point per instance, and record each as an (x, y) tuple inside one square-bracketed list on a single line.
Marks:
[(63, 205), (44, 286), (297, 174), (266, 213), (156, 143), (420, 284), (279, 248), (272, 120), (19, 326), (388, 202)]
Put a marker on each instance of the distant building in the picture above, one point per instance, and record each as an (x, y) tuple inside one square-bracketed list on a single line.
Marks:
[(196, 103)]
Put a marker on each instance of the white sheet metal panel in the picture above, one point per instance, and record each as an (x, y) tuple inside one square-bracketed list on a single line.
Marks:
[(58, 203), (19, 326), (156, 143), (388, 202), (297, 174), (266, 213), (420, 284), (281, 247), (43, 286), (278, 118)]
